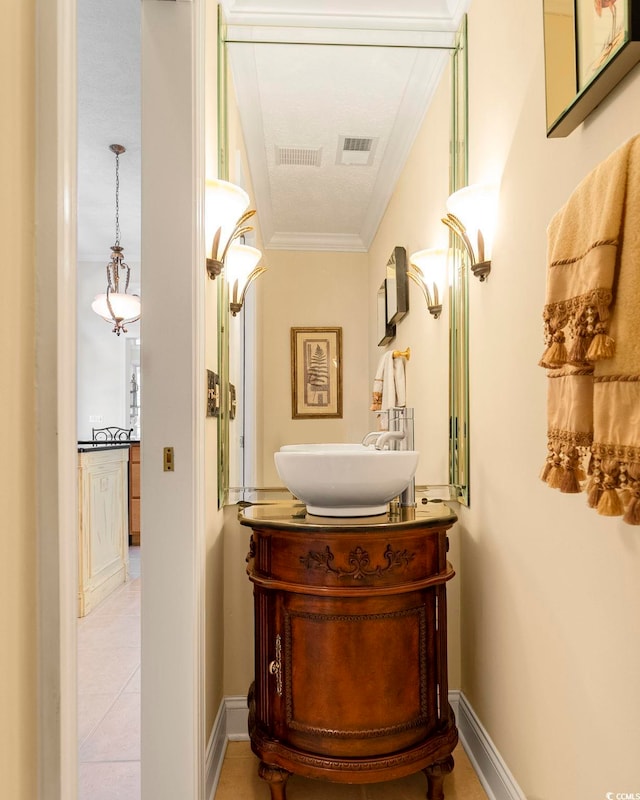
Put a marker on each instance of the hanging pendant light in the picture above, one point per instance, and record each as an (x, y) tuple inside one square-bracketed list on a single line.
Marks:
[(115, 306)]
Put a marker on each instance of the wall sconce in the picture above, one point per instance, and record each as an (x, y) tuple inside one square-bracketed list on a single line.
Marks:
[(116, 306), (226, 215), (471, 215), (428, 268), (240, 270)]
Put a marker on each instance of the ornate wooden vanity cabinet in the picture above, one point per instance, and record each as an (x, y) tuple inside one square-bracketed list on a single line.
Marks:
[(351, 646)]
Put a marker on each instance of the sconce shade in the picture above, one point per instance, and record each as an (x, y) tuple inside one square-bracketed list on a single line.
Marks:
[(241, 268), (126, 307), (225, 203), (472, 215), (428, 269), (225, 217)]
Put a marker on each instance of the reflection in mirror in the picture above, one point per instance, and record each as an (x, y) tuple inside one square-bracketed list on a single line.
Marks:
[(315, 231), (134, 375), (559, 57)]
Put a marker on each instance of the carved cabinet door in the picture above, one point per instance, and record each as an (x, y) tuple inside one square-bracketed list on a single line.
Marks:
[(351, 676)]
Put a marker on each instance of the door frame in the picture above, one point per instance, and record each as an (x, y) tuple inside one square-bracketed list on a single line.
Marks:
[(176, 750)]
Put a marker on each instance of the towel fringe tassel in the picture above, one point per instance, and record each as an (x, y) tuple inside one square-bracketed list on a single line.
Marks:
[(601, 347), (610, 504)]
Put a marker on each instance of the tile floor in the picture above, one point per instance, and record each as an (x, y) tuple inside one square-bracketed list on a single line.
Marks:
[(239, 781), (109, 723), (109, 694)]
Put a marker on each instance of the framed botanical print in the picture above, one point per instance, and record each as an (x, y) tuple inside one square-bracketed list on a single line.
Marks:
[(316, 373)]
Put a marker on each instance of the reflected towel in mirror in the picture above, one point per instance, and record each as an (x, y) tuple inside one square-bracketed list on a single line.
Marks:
[(389, 385)]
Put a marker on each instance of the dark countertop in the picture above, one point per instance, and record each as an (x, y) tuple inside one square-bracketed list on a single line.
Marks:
[(293, 516), (93, 447)]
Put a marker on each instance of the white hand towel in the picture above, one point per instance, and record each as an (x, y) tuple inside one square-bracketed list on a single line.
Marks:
[(399, 380), (378, 383)]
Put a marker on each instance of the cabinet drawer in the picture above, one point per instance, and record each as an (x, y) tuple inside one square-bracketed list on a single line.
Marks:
[(366, 559)]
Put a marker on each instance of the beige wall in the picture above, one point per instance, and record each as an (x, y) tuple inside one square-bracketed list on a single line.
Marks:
[(18, 732), (550, 590), (214, 567), (412, 220), (310, 289)]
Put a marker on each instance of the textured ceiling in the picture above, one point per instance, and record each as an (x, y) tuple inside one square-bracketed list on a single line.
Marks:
[(108, 113), (301, 96), (290, 95)]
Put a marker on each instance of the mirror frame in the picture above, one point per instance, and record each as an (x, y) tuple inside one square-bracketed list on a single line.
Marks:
[(458, 294), (459, 449)]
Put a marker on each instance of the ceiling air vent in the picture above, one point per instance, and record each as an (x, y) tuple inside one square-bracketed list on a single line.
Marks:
[(356, 150), (298, 156)]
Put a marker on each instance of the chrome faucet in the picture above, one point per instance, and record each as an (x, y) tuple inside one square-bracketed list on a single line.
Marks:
[(401, 421), (370, 437), (388, 438)]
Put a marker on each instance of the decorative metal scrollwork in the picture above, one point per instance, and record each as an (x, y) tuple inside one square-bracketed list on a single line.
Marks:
[(359, 562)]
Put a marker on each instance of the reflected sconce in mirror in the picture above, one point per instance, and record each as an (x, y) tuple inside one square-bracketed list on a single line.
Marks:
[(471, 215), (117, 306), (226, 217), (241, 270), (428, 269)]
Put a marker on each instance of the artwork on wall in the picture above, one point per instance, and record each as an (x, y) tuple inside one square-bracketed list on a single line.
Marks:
[(316, 373), (602, 29), (589, 46)]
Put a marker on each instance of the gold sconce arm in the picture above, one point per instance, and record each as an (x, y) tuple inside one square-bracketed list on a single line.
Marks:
[(471, 214), (433, 301), (236, 303)]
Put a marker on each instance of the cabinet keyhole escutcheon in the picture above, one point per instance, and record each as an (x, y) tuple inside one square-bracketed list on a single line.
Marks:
[(275, 666)]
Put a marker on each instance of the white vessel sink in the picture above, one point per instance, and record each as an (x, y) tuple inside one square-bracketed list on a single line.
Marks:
[(345, 480)]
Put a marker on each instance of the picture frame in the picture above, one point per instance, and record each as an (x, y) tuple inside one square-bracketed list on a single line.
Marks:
[(397, 289), (589, 48), (386, 330), (316, 373)]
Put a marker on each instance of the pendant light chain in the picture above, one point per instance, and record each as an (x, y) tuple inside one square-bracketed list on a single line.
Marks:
[(117, 199)]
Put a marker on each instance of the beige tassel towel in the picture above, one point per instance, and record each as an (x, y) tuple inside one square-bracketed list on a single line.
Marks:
[(592, 331)]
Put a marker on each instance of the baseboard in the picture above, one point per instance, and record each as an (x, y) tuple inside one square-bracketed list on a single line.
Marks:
[(494, 775), (216, 747), (237, 714)]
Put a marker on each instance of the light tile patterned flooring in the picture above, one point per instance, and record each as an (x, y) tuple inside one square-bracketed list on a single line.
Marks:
[(109, 723), (239, 781), (109, 694)]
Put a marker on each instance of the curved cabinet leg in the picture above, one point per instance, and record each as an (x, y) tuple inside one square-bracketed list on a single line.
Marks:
[(276, 778), (435, 777)]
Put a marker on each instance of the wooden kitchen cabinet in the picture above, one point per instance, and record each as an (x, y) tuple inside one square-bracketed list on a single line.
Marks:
[(351, 646), (134, 493)]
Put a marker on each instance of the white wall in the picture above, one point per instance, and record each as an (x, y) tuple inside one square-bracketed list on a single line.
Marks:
[(103, 382), (550, 590), (174, 504)]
